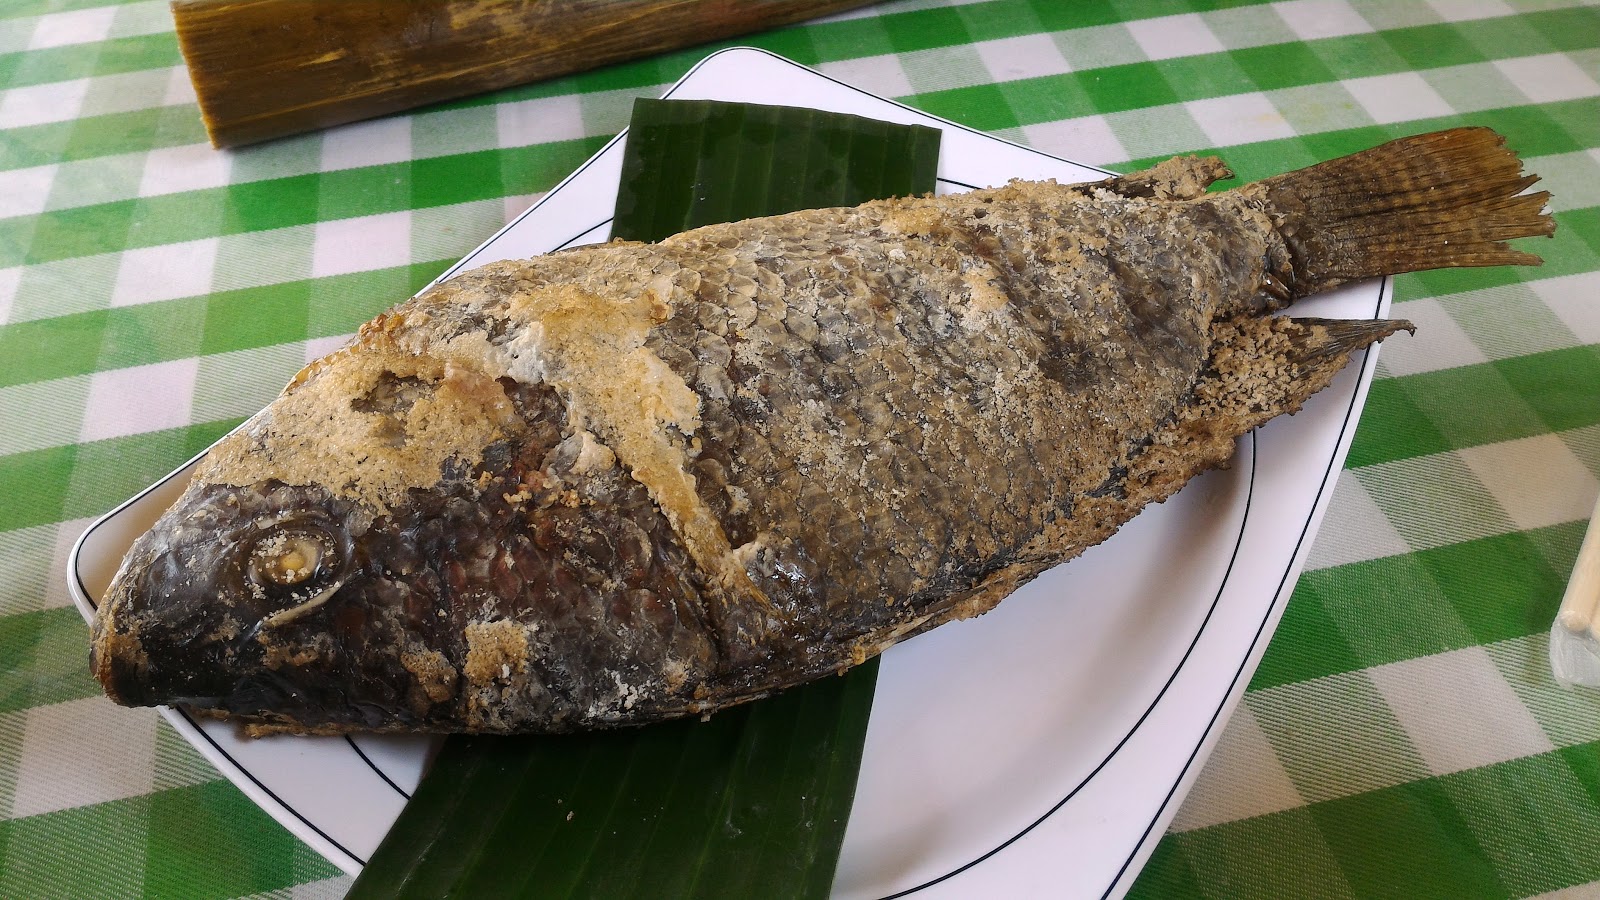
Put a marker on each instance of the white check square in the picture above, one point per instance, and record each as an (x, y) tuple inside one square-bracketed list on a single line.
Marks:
[(373, 143), (1400, 97), (139, 399), (165, 272), (1239, 119), (1087, 139), (1538, 481), (361, 244), (1029, 56), (539, 121), (1168, 37), (39, 104), (1312, 20), (1458, 710), (190, 167), (1549, 78), (83, 26), (66, 760)]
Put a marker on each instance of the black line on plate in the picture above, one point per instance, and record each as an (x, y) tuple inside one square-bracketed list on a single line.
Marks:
[(374, 766), (264, 789), (1215, 599), (1278, 599)]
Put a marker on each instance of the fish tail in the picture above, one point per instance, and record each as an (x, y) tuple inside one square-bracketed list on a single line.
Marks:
[(1448, 198)]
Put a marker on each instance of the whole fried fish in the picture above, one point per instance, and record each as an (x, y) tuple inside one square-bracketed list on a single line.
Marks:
[(629, 482)]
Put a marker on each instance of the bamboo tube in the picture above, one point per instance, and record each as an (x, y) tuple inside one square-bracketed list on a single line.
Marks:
[(268, 68)]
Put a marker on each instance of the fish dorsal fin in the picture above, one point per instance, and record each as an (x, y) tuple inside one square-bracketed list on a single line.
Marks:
[(1179, 178)]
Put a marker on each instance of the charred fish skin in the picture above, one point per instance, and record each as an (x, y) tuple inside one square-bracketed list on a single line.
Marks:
[(630, 482)]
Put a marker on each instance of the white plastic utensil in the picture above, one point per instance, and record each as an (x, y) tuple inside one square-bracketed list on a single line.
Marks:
[(1575, 636)]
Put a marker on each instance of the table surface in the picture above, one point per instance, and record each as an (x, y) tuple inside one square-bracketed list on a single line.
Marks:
[(1402, 736)]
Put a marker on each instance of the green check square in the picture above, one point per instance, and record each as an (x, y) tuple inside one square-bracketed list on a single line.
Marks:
[(1585, 445), (1308, 643), (256, 317), (14, 35), (1411, 837), (152, 332), (22, 427), (1567, 716), (1389, 609), (85, 231), (355, 192), (1468, 88), (1314, 726), (1434, 500), (1276, 66), (1506, 37), (943, 67), (1500, 587), (131, 54), (1436, 46), (924, 29), (191, 828), (455, 131), (107, 472), (64, 287), (1158, 132), (1560, 386), (1358, 56), (93, 851), (42, 659), (1208, 75), (124, 92), (26, 567), (1534, 820), (1508, 320), (455, 179), (1319, 107), (177, 763), (152, 20), (174, 218), (50, 348), (981, 106), (36, 486), (1090, 50), (238, 384), (450, 232), (1454, 401), (1386, 15), (1137, 86), (343, 302), (283, 158), (1568, 29), (89, 182), (852, 38), (994, 21), (1246, 858), (261, 257), (1573, 179), (1248, 26)]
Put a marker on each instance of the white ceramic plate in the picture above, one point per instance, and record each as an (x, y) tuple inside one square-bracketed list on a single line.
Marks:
[(1036, 751)]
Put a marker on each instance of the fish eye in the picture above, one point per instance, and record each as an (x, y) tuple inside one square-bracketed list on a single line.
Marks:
[(291, 557)]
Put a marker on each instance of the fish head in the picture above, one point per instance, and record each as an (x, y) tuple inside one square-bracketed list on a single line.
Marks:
[(199, 609)]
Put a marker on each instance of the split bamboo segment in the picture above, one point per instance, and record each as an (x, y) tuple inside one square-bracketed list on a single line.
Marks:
[(268, 68)]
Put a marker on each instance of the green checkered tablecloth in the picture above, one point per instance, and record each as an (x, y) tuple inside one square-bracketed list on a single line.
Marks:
[(1402, 737)]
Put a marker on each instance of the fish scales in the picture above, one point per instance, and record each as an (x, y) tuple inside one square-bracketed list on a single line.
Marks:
[(629, 482)]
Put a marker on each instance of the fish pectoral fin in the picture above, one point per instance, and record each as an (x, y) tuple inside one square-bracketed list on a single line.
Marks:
[(1260, 368)]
